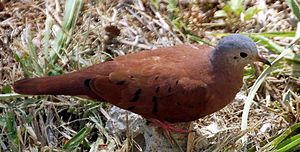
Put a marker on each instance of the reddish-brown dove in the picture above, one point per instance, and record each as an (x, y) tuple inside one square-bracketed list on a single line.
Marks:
[(174, 84)]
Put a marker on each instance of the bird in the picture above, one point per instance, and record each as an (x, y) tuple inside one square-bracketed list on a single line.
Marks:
[(181, 83)]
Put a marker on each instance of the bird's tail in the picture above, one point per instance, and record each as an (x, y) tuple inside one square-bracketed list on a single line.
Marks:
[(68, 84)]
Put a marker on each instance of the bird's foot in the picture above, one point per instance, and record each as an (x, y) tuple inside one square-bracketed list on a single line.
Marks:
[(168, 128)]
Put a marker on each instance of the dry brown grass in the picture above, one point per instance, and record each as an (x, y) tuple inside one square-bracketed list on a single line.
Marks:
[(142, 27)]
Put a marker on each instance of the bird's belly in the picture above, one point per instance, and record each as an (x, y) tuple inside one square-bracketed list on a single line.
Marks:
[(191, 107)]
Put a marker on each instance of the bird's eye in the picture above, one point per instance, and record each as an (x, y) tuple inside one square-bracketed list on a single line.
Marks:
[(243, 54)]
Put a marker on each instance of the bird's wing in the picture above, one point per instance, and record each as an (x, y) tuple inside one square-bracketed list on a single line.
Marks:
[(141, 84)]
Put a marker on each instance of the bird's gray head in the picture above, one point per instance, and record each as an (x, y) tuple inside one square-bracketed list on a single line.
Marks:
[(239, 50)]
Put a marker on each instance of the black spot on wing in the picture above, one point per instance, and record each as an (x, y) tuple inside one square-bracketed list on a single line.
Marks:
[(136, 96), (154, 108), (157, 90), (120, 82), (87, 82), (154, 99), (138, 92), (154, 104), (170, 89)]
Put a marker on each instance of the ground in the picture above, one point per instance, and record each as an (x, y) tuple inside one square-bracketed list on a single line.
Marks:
[(33, 44)]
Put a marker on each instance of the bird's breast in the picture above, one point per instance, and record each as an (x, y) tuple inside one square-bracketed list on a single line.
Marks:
[(223, 90)]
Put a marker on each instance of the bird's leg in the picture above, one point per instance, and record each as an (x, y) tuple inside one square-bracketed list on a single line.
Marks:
[(168, 127)]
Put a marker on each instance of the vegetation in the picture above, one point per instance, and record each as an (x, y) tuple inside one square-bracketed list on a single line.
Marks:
[(53, 38)]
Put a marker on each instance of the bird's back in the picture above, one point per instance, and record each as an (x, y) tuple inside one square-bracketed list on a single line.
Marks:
[(168, 84)]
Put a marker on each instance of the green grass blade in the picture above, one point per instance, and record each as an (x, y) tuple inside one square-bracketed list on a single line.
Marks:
[(294, 5), (275, 47), (75, 141), (254, 89), (23, 62), (267, 43), (280, 142), (250, 12), (297, 36), (12, 95), (290, 143), (173, 7), (237, 6), (48, 26), (155, 3), (293, 57), (11, 129), (33, 54), (63, 38), (266, 34), (197, 39), (6, 89), (278, 34)]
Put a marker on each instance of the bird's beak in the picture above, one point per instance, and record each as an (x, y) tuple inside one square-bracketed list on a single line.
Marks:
[(263, 60)]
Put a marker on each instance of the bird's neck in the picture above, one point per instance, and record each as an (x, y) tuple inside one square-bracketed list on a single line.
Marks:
[(224, 63), (226, 75), (225, 68)]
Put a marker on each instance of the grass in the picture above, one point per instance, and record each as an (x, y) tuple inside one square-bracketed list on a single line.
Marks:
[(56, 38)]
